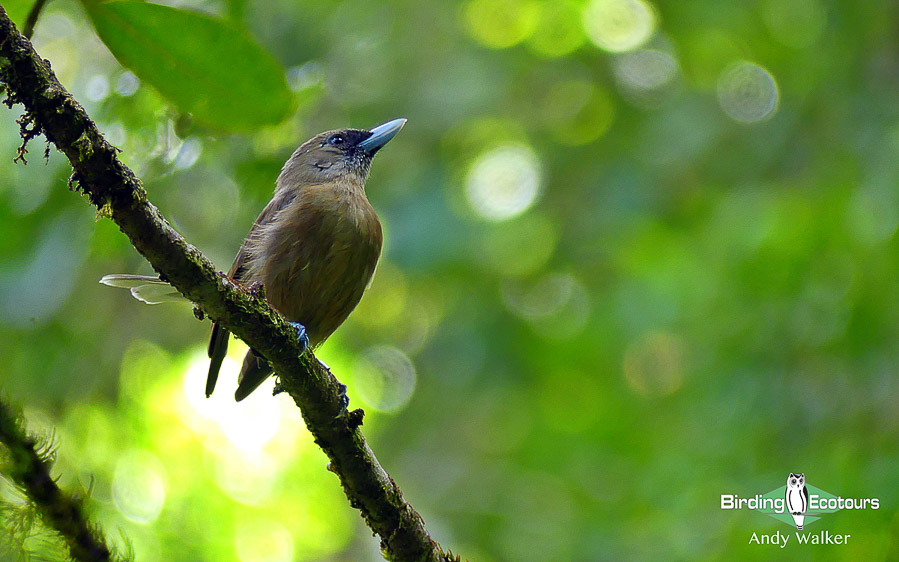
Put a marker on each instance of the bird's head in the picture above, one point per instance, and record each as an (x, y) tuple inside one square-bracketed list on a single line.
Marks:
[(343, 154)]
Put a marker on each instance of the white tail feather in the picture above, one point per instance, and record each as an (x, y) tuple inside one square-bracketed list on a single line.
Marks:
[(150, 290), (128, 281), (155, 294)]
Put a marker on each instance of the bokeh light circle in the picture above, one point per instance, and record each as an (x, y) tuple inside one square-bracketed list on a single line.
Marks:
[(385, 378), (138, 486), (578, 111), (97, 88), (619, 25), (747, 92), (500, 23), (503, 182), (558, 30), (645, 69), (557, 305), (249, 432), (127, 84)]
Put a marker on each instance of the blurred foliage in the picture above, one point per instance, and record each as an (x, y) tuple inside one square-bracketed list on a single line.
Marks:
[(638, 255), (246, 93)]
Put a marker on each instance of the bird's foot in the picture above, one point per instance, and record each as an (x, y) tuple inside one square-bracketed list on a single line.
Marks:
[(301, 334), (278, 388)]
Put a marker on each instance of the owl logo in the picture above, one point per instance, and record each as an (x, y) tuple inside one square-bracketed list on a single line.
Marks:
[(797, 498)]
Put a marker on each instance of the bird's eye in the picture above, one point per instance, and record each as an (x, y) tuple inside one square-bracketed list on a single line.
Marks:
[(335, 140)]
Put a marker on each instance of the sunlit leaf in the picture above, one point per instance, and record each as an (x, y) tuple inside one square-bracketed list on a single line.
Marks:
[(200, 63), (17, 10)]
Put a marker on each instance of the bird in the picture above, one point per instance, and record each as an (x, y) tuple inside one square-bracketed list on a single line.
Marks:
[(313, 249), (796, 498)]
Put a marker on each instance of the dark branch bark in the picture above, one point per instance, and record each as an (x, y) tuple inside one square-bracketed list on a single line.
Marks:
[(114, 189), (30, 471)]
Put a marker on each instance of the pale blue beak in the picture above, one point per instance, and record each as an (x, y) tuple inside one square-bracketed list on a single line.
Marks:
[(381, 135)]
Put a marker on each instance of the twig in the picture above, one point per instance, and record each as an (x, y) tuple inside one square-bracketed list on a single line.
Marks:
[(30, 470), (116, 191), (31, 21)]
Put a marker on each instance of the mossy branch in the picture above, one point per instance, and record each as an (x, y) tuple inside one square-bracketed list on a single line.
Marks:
[(29, 468), (112, 187)]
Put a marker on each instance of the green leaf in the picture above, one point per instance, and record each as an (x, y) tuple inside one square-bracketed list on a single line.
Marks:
[(203, 65), (17, 10)]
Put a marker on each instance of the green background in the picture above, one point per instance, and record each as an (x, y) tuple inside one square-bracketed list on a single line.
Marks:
[(637, 256)]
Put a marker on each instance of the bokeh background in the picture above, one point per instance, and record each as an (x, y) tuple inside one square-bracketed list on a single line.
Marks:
[(638, 254)]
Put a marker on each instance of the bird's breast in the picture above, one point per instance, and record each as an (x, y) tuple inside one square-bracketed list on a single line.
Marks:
[(322, 252)]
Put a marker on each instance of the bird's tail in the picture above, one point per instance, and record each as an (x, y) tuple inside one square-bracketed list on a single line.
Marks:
[(218, 348), (255, 370), (151, 290)]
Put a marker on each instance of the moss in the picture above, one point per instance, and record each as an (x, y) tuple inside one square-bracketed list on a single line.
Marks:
[(104, 212), (29, 469), (84, 146), (29, 127)]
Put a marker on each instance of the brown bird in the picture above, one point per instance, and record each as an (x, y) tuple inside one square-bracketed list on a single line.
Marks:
[(313, 248)]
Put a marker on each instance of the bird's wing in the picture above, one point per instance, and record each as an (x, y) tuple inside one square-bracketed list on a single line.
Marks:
[(218, 348), (268, 214), (218, 340), (147, 289)]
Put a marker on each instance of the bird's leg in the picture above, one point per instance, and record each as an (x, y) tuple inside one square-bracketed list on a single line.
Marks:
[(301, 334), (304, 342)]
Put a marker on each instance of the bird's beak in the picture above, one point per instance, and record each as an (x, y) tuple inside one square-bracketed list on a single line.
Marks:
[(381, 135)]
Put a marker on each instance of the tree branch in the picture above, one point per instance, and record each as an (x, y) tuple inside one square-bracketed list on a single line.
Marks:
[(119, 194), (30, 470)]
